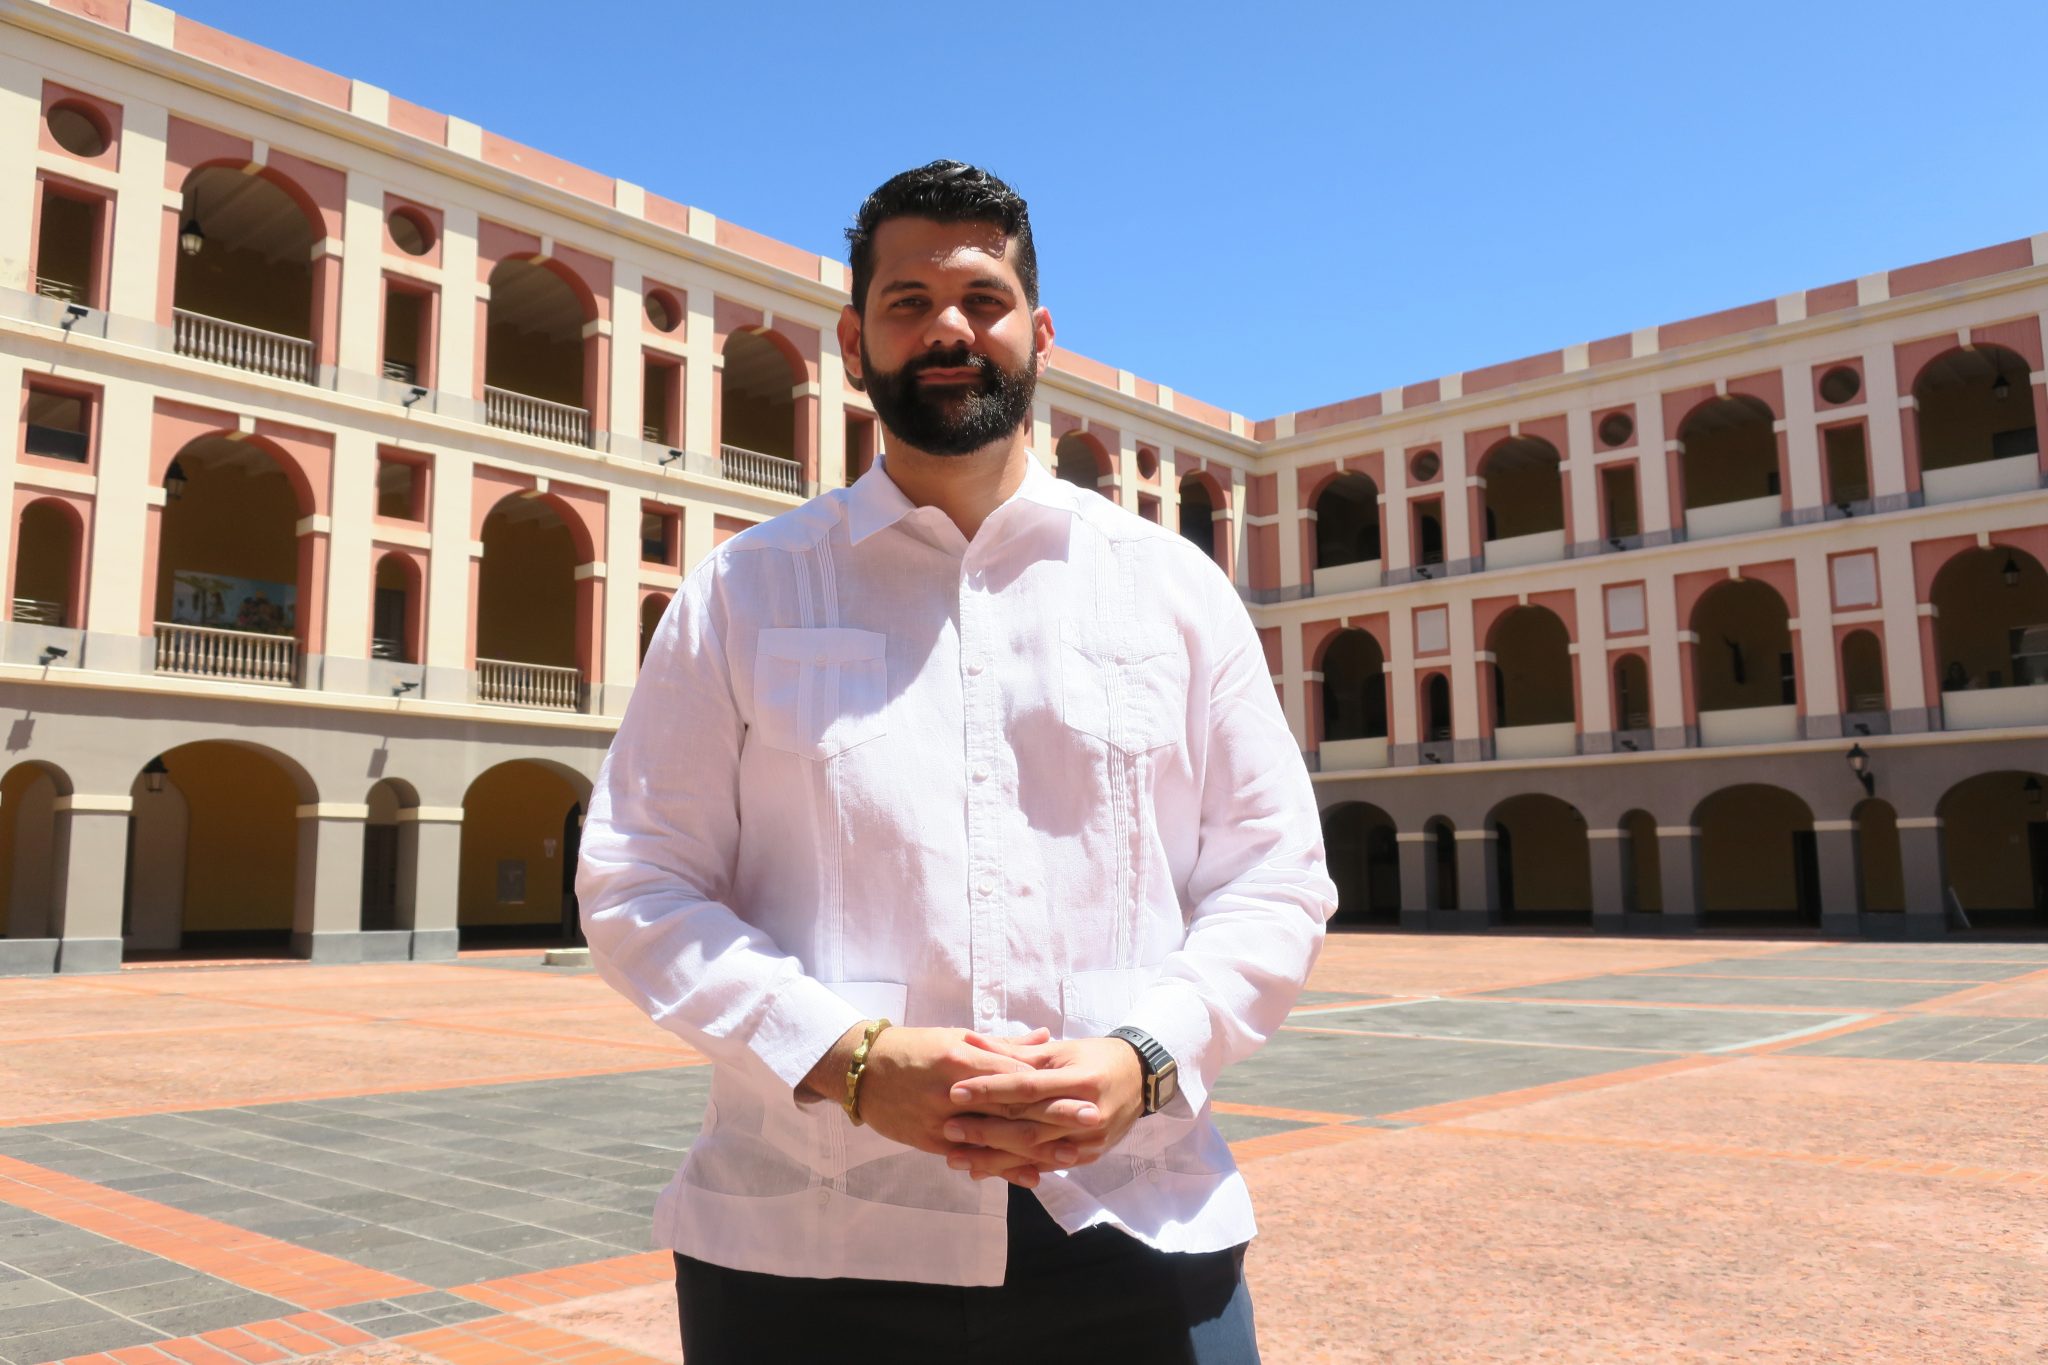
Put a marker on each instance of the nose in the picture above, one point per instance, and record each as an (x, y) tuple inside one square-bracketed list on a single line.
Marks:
[(948, 327)]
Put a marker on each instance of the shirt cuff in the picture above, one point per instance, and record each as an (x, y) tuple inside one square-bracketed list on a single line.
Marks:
[(1171, 1010), (804, 1019)]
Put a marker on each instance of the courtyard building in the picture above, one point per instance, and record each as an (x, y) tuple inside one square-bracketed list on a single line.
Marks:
[(360, 449)]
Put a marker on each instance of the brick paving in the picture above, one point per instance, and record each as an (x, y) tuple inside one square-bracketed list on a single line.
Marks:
[(1482, 1148)]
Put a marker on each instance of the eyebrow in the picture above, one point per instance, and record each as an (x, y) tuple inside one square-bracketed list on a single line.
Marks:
[(979, 282)]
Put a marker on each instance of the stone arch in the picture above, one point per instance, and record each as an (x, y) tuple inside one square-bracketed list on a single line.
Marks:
[(1533, 676), (1203, 506), (231, 556), (1972, 405), (758, 409), (255, 268), (1524, 492), (1880, 868), (1365, 862), (30, 848), (529, 598), (1438, 725), (49, 564), (1440, 863), (1758, 860), (521, 827), (1354, 687), (398, 608), (1081, 459), (1642, 864), (1347, 521), (1544, 863), (652, 605), (1995, 848), (1728, 452), (1744, 657), (1863, 689), (1990, 633)]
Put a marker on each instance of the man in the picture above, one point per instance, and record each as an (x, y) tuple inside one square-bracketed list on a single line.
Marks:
[(929, 787)]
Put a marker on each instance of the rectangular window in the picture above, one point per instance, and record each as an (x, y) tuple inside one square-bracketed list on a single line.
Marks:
[(1618, 501), (1432, 630), (860, 445), (405, 334), (661, 402), (658, 537), (1626, 614), (1855, 580), (401, 489), (68, 237), (1848, 470), (1148, 508), (59, 425)]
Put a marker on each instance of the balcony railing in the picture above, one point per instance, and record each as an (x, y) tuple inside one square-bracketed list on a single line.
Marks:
[(245, 348), (33, 611), (739, 465), (235, 655), (532, 416), (538, 685), (57, 289), (403, 371)]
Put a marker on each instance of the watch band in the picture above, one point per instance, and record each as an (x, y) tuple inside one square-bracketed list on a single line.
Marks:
[(1162, 1073)]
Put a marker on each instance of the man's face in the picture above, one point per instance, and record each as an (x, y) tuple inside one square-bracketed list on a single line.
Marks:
[(948, 348)]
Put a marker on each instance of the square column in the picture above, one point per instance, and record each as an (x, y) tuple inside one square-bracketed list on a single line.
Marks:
[(1925, 869), (1478, 878), (1413, 848), (1678, 862), (327, 911), (1605, 849), (1839, 898), (92, 870), (429, 879)]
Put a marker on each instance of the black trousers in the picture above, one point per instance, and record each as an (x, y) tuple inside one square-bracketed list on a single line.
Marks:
[(1099, 1295)]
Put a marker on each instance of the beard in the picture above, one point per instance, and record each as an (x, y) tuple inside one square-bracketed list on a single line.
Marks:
[(957, 419)]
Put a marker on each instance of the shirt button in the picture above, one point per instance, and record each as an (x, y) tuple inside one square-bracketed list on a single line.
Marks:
[(986, 887), (1152, 1176), (819, 661), (981, 772), (974, 669), (988, 1005), (825, 1196)]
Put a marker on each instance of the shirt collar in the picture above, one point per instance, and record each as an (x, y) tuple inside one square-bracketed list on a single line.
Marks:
[(875, 503)]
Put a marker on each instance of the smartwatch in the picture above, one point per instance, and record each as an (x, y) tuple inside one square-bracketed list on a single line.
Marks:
[(1162, 1075)]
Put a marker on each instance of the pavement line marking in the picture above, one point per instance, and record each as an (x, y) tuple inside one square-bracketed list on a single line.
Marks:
[(300, 1335), (537, 1288), (1267, 1111), (1374, 1005), (1859, 980), (676, 1047), (1488, 1042), (1943, 1170), (1653, 1004), (250, 1260), (513, 1340), (1977, 992), (1453, 1110), (1847, 1023)]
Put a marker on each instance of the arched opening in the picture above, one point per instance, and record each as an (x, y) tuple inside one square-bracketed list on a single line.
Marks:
[(228, 565), (1642, 867), (1545, 868), (1441, 864), (1759, 866), (1632, 698), (1974, 416), (526, 636), (1880, 871), (245, 298), (1991, 638), (1994, 832), (757, 404), (1080, 459), (28, 850), (1523, 502), (1436, 709), (384, 853), (213, 851), (1354, 688), (1744, 678), (1365, 862), (651, 608), (1198, 516), (1728, 464), (1534, 712), (1429, 537), (1348, 522), (534, 354), (521, 823), (1863, 692), (46, 565), (395, 618)]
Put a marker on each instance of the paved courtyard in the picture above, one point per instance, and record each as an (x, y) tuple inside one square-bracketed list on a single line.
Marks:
[(1497, 1148)]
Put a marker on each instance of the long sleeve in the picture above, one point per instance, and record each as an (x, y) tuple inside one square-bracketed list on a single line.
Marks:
[(1260, 889), (659, 849)]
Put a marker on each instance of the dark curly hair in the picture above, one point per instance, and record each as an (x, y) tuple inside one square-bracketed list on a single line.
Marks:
[(945, 192)]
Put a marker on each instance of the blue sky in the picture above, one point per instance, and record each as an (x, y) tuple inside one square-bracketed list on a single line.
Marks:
[(1276, 206)]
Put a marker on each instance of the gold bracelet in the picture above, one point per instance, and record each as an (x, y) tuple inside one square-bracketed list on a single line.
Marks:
[(858, 1068)]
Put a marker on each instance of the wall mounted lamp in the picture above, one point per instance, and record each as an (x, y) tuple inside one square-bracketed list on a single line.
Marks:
[(1859, 764), (153, 774)]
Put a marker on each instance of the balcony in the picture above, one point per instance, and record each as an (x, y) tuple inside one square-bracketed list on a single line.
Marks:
[(31, 611), (1984, 479), (231, 655), (1542, 547), (739, 465), (540, 686), (1749, 725), (1560, 740), (59, 289), (1352, 577), (1995, 708), (1346, 755), (244, 348), (530, 416), (1733, 518)]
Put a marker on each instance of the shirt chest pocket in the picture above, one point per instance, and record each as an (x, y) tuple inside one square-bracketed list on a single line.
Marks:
[(1128, 687), (819, 692)]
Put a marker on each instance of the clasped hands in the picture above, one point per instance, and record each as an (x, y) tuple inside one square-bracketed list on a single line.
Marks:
[(1015, 1106)]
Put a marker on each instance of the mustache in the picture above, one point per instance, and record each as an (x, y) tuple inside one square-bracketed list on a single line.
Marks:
[(958, 359)]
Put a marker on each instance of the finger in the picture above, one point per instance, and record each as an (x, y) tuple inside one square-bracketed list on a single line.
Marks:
[(1025, 1087), (982, 1162), (1031, 1050), (1075, 1114), (1009, 1136), (994, 1040)]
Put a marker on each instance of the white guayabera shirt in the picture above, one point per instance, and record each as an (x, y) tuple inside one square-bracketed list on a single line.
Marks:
[(873, 769)]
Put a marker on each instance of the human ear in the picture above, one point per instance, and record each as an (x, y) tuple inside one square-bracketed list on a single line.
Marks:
[(849, 348)]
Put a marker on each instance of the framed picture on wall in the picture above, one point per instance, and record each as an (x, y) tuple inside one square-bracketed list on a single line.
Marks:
[(225, 602)]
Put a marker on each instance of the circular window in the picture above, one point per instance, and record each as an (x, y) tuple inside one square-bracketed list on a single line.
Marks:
[(1148, 463), (1617, 429), (1424, 464), (411, 233), (77, 130), (1840, 385), (662, 313)]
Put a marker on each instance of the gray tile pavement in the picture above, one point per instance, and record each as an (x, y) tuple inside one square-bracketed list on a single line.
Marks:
[(1562, 1025), (1936, 1038), (1699, 990)]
